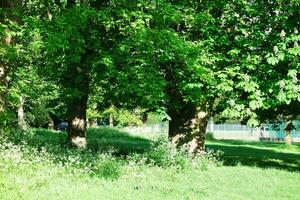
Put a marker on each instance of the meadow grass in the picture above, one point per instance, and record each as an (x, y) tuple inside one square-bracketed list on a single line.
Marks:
[(116, 165), (261, 154)]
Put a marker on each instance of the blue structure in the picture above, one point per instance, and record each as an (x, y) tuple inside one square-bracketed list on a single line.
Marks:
[(280, 133), (266, 132)]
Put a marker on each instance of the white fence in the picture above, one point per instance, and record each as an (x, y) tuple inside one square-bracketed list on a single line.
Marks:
[(222, 131), (148, 130), (242, 132)]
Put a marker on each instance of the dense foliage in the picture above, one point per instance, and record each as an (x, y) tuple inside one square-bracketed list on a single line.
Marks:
[(190, 59)]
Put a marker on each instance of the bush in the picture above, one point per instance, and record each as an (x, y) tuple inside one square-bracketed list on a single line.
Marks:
[(8, 121), (209, 136), (164, 154), (109, 167), (122, 117)]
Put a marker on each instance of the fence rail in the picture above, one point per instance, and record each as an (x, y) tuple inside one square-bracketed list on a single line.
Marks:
[(242, 132), (226, 131)]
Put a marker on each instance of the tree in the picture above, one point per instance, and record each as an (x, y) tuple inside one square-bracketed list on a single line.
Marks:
[(81, 52), (23, 90), (278, 74), (190, 59), (217, 61), (8, 25)]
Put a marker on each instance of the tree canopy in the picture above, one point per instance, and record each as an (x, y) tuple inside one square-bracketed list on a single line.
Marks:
[(190, 59)]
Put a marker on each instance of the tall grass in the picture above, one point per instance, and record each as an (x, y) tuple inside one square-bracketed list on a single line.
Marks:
[(107, 153), (115, 165)]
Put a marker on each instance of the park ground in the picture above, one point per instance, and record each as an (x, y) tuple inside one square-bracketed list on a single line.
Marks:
[(117, 165)]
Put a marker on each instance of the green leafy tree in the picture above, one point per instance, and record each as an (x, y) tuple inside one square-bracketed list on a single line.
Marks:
[(81, 54), (215, 60), (9, 21), (190, 59)]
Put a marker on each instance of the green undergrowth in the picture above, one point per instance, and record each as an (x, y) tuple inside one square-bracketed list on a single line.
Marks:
[(107, 153), (40, 164)]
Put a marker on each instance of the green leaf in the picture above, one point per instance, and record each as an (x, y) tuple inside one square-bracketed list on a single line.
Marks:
[(252, 122), (272, 60), (294, 51), (254, 105), (281, 56), (281, 96)]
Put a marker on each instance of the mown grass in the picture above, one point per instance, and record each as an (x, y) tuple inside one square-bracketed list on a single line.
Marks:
[(116, 165), (261, 154)]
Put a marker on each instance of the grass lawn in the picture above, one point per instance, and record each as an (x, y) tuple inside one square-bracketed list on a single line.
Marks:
[(250, 171), (261, 154)]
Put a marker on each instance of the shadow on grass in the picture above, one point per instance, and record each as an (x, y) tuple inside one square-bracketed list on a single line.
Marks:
[(260, 154), (103, 154), (98, 139), (262, 144), (121, 142)]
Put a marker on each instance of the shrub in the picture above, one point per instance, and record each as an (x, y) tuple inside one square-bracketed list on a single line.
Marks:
[(8, 121), (209, 136), (108, 167), (164, 154)]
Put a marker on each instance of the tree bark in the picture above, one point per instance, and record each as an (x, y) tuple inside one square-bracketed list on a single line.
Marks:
[(111, 120), (77, 106), (77, 121), (188, 127), (288, 130), (50, 124), (3, 84), (21, 118), (288, 138)]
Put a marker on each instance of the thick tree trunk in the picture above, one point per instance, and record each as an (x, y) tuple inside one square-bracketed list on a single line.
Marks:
[(77, 106), (21, 115), (288, 130), (288, 138), (77, 121), (188, 127), (189, 120)]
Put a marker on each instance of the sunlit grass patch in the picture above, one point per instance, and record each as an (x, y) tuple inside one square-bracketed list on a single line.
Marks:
[(117, 165), (263, 154)]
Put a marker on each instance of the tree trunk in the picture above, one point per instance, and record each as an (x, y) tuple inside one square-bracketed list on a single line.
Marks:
[(77, 121), (50, 124), (3, 84), (144, 117), (288, 130), (21, 118), (111, 120), (288, 138), (77, 105), (188, 127)]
